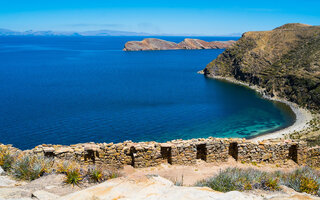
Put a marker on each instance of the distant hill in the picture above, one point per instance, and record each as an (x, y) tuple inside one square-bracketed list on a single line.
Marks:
[(7, 32), (284, 61)]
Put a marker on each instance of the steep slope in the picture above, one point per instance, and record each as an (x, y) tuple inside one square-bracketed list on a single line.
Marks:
[(284, 61)]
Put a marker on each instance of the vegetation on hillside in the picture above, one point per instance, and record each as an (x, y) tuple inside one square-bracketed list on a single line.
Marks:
[(284, 61), (311, 135)]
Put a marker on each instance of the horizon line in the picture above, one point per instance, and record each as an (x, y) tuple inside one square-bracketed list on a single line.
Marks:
[(112, 32)]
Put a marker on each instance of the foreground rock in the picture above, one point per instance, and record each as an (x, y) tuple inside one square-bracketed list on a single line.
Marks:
[(44, 195), (157, 44), (285, 62), (155, 188), (6, 181)]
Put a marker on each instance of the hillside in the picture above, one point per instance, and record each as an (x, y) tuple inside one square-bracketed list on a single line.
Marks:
[(284, 61)]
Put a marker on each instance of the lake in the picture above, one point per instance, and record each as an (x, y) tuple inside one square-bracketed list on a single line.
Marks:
[(67, 90)]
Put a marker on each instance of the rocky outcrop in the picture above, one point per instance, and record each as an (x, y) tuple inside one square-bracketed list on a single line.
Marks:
[(158, 44), (285, 62)]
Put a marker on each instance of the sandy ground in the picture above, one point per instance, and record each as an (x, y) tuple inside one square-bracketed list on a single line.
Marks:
[(303, 116), (190, 175)]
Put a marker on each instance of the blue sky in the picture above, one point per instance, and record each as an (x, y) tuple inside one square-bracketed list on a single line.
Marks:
[(206, 17)]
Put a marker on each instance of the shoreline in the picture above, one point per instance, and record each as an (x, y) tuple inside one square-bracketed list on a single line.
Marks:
[(302, 115)]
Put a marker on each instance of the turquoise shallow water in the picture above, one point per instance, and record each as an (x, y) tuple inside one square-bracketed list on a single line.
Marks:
[(65, 90)]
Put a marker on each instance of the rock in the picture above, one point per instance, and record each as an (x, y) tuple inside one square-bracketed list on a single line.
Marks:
[(14, 193), (48, 149), (63, 150), (91, 147), (152, 188), (43, 195), (5, 181), (158, 44), (2, 172)]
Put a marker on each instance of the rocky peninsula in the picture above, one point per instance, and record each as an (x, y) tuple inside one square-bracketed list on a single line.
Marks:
[(158, 44)]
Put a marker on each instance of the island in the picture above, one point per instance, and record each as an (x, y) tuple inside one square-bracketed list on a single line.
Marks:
[(158, 44)]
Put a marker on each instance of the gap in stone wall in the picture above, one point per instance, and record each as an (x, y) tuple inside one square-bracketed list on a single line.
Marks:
[(293, 153), (49, 154), (233, 150), (90, 155), (132, 152), (202, 152), (166, 154)]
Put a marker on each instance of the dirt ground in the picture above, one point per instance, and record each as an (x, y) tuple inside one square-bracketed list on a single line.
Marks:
[(190, 175)]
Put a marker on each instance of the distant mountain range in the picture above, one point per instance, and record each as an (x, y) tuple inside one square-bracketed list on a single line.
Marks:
[(7, 32)]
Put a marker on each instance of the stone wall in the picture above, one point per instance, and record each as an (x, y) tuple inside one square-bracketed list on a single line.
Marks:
[(184, 152), (313, 156)]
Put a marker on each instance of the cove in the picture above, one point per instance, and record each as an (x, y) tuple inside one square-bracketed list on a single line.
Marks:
[(67, 90)]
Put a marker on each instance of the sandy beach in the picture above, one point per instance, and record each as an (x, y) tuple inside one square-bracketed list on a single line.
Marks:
[(303, 116)]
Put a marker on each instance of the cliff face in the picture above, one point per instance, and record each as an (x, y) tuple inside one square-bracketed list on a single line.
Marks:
[(157, 44), (284, 61)]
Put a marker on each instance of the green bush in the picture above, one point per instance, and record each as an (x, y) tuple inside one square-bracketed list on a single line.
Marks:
[(73, 177), (6, 158), (309, 186), (63, 166), (239, 179), (302, 180), (31, 167), (95, 175)]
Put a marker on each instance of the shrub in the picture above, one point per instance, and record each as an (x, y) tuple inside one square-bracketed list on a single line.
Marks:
[(6, 158), (95, 175), (247, 186), (303, 180), (236, 179), (241, 179), (272, 184), (64, 166), (112, 173), (309, 186), (31, 167), (73, 177)]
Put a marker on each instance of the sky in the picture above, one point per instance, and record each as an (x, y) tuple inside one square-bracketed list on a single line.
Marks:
[(180, 17)]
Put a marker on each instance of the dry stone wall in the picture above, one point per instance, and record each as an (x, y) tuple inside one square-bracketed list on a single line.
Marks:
[(184, 152)]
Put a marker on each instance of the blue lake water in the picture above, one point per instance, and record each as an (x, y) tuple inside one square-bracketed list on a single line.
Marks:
[(66, 90)]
